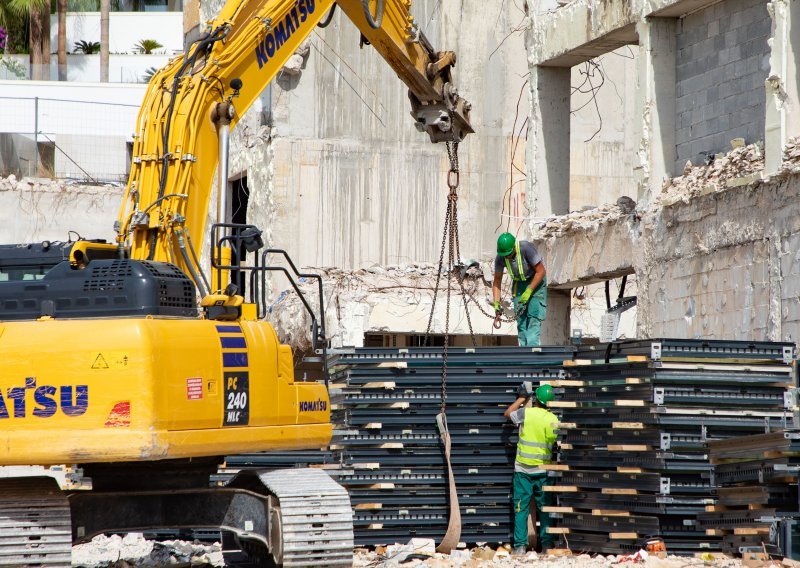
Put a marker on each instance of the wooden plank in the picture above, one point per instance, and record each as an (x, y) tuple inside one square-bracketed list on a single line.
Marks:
[(561, 488), (565, 383), (554, 509), (565, 446), (369, 465), (392, 365), (373, 426), (381, 486), (558, 530), (375, 526), (637, 358), (750, 531), (628, 425), (392, 446), (636, 403), (566, 425), (379, 385), (635, 381), (368, 506), (716, 532), (623, 535), (554, 467), (562, 404), (628, 448), (618, 491), (402, 405), (609, 513), (621, 469)]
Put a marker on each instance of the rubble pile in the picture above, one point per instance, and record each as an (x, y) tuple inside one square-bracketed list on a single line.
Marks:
[(740, 166), (487, 557), (587, 219), (134, 550), (11, 183), (791, 157), (396, 297)]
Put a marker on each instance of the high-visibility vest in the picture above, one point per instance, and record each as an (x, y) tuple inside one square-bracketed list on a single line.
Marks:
[(536, 437), (520, 272)]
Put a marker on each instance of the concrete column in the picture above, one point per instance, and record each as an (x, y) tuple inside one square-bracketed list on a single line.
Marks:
[(656, 101), (556, 327), (781, 85), (548, 142)]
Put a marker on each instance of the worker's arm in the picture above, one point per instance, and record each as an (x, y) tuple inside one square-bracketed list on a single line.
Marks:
[(514, 406), (498, 281), (538, 276)]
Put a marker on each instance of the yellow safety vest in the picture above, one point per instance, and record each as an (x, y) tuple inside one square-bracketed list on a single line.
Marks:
[(520, 272), (536, 437)]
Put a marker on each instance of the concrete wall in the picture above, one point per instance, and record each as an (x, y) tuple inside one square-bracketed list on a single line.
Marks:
[(89, 123), (722, 63), (342, 178)]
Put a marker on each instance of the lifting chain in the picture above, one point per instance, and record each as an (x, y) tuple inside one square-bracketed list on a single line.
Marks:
[(451, 243)]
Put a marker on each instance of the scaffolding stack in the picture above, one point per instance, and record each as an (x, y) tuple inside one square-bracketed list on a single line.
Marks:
[(390, 449), (636, 420), (758, 499)]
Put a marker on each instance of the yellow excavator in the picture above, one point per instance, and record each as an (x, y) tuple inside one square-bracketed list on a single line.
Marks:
[(109, 361)]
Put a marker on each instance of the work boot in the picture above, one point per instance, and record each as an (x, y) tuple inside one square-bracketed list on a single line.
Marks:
[(519, 551)]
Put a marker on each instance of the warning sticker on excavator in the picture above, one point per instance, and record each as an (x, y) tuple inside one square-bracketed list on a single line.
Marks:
[(194, 388), (110, 360), (237, 399)]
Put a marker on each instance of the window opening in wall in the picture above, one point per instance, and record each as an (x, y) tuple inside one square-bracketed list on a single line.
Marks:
[(603, 144), (47, 159), (239, 198)]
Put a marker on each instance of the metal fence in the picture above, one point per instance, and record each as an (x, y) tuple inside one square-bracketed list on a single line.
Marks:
[(86, 141)]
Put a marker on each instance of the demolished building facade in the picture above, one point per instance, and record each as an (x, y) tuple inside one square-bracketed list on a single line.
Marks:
[(712, 242)]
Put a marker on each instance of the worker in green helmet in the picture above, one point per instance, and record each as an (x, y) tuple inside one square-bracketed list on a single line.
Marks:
[(534, 449), (526, 269)]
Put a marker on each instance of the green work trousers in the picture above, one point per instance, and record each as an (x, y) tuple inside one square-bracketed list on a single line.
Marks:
[(531, 315), (527, 486)]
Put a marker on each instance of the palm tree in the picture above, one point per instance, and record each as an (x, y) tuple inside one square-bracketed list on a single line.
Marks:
[(61, 9), (38, 14), (105, 9)]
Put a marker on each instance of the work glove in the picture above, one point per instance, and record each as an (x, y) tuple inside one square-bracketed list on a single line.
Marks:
[(526, 295), (497, 309), (523, 390)]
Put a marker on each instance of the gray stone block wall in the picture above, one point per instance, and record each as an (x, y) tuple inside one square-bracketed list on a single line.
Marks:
[(721, 63)]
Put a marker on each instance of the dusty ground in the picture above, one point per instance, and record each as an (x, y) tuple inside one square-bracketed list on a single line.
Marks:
[(133, 551), (486, 558)]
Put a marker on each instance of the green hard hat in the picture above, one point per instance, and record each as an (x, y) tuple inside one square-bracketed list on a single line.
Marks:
[(505, 244), (544, 394)]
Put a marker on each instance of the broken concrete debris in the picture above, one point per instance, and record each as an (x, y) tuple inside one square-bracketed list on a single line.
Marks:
[(396, 298), (134, 550), (488, 557), (740, 167)]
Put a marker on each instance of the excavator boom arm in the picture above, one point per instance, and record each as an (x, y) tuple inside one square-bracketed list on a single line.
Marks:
[(193, 101)]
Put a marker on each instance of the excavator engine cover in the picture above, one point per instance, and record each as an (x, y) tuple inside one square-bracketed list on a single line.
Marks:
[(104, 288)]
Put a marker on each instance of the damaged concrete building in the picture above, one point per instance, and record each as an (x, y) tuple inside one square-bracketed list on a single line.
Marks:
[(713, 240)]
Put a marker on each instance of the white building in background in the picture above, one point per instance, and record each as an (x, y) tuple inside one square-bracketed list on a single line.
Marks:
[(81, 129)]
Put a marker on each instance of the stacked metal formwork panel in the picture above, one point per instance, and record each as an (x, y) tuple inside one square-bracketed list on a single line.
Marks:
[(636, 419), (391, 455), (758, 477)]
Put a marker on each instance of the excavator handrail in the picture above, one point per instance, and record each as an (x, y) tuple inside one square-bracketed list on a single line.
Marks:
[(258, 288)]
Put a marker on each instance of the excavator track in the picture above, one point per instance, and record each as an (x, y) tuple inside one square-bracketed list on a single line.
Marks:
[(35, 524), (312, 523)]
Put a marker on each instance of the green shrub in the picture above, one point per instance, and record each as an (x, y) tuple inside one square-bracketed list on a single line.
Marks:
[(147, 46), (87, 47)]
